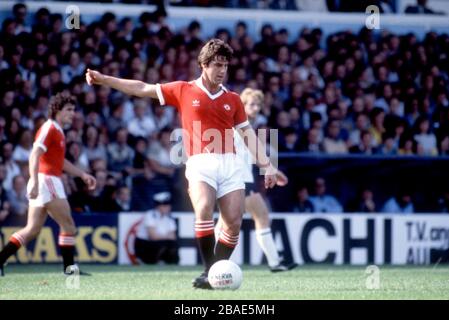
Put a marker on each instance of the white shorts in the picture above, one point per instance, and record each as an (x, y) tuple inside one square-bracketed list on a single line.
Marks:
[(50, 188), (221, 171)]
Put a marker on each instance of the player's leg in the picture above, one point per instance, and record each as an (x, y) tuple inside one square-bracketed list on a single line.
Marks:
[(35, 221), (256, 206), (231, 212), (59, 210), (203, 196)]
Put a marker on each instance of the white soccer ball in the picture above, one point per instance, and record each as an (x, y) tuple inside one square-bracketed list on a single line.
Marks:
[(225, 274)]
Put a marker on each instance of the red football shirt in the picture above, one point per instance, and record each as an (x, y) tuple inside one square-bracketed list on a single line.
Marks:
[(207, 119), (50, 137)]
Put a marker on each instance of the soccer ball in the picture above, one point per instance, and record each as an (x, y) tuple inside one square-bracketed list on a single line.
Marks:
[(225, 274)]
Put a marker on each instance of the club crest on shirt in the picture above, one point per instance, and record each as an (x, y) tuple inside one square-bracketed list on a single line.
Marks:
[(195, 103), (227, 107)]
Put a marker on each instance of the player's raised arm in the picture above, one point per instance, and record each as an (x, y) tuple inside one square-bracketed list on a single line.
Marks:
[(131, 87)]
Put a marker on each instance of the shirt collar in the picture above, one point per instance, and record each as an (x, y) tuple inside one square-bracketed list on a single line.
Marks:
[(57, 126), (199, 84)]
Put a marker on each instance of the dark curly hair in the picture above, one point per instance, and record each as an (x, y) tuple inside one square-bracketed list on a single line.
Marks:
[(58, 102)]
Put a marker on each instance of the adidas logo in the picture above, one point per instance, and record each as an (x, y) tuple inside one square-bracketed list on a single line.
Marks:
[(195, 103)]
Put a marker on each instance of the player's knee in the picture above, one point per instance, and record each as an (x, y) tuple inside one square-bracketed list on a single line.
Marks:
[(204, 208), (234, 225), (262, 218)]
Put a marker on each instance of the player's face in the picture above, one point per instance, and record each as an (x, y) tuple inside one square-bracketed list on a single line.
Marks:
[(252, 107), (164, 208), (67, 114), (216, 70)]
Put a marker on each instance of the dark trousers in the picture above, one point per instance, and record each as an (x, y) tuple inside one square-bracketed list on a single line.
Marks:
[(151, 252)]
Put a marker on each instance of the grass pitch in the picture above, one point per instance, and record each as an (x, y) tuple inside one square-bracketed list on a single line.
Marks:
[(174, 282)]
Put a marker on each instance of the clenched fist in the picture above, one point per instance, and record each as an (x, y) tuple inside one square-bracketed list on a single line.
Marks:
[(94, 77)]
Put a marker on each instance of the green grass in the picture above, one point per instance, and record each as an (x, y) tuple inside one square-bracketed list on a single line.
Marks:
[(166, 282)]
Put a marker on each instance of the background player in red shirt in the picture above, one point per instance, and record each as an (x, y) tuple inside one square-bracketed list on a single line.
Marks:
[(209, 112), (45, 189)]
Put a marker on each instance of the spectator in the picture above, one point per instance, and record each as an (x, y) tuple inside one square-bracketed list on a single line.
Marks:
[(401, 203), (12, 169), (322, 202), (162, 116), (377, 116), (81, 199), (389, 145), (303, 203), (5, 207), (420, 8), (312, 143), (333, 143), (407, 146), (102, 176), (3, 137), (140, 155), (143, 187), (117, 118), (107, 199), (19, 11), (77, 156), (3, 63), (13, 131), (94, 148), (120, 154), (22, 151), (17, 197), (307, 114), (412, 110), (142, 125), (361, 124), (290, 142), (425, 138), (156, 238), (365, 146), (75, 67), (444, 146), (123, 198), (364, 203), (159, 155)]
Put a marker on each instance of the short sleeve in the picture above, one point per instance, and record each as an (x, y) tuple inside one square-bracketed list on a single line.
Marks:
[(149, 220), (44, 136), (172, 226), (240, 117), (170, 93)]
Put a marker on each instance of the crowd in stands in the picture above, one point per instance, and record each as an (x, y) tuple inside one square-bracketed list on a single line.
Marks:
[(366, 93)]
